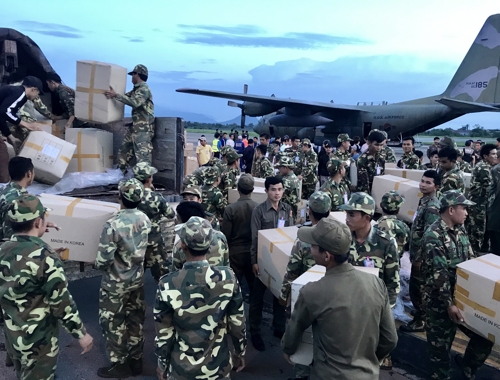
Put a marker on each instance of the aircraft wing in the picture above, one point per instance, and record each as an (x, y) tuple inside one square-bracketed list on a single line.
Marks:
[(465, 106), (271, 100)]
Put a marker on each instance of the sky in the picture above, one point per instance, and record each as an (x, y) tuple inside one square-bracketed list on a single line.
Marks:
[(319, 50)]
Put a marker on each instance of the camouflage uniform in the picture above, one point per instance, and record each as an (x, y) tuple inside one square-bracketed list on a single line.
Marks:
[(378, 246), (388, 155), (262, 168), (293, 154), (446, 248), (367, 169), (27, 114), (338, 192), (478, 193), (196, 190), (120, 256), (9, 193), (212, 199), (195, 309), (196, 178), (409, 161), (34, 298), (215, 162), (156, 208), (464, 167), (291, 185), (390, 224), (137, 140), (453, 180), (344, 157), (228, 177), (307, 166)]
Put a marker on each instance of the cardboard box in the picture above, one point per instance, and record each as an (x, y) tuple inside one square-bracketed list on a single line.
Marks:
[(258, 195), (467, 179), (341, 217), (50, 155), (302, 210), (56, 128), (190, 165), (92, 79), (304, 353), (94, 150), (415, 175), (81, 222), (406, 187), (260, 182), (189, 150), (477, 295), (274, 249), (391, 165)]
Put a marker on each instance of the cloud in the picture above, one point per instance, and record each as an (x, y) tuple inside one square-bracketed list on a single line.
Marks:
[(177, 76), (157, 30), (254, 36), (208, 61), (50, 29), (134, 39)]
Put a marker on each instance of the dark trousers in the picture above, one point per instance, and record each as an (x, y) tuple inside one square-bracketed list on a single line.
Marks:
[(217, 154), (417, 282), (4, 163), (241, 264), (256, 306), (494, 239)]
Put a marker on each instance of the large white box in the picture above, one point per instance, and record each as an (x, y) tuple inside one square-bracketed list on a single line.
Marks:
[(274, 249), (50, 155), (407, 188), (94, 150), (413, 174), (260, 182), (259, 195), (304, 353), (81, 222), (477, 295), (341, 217), (92, 80)]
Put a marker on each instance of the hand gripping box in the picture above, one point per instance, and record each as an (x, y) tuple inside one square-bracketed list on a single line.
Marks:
[(304, 353), (94, 150), (274, 249), (92, 80), (406, 187), (477, 295), (81, 222), (259, 195), (50, 155)]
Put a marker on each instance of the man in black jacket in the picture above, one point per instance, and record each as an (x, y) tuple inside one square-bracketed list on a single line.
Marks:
[(12, 98), (323, 158), (248, 156)]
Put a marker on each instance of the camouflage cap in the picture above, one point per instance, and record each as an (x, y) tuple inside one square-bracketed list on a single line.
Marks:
[(329, 234), (196, 233), (360, 202), (246, 182), (333, 166), (343, 137), (286, 162), (378, 130), (142, 171), (306, 142), (25, 208), (210, 174), (452, 198), (392, 201), (320, 202), (132, 190), (226, 149), (447, 141), (192, 190), (139, 69), (232, 156)]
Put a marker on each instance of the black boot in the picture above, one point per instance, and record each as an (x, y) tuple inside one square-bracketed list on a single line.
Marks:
[(135, 366), (115, 371)]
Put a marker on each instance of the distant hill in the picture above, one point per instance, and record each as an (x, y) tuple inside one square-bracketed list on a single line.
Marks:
[(237, 120), (188, 116)]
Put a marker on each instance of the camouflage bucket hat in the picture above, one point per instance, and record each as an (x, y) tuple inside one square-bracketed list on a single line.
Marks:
[(306, 142), (286, 162), (139, 69), (329, 234), (452, 198), (192, 190), (210, 174), (25, 208), (196, 233), (132, 190), (333, 166), (447, 141), (246, 182), (360, 202), (343, 137), (142, 171), (232, 156), (320, 202), (392, 201)]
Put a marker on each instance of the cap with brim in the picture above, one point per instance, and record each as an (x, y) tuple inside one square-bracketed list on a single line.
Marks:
[(232, 156), (25, 208), (360, 202), (31, 81), (320, 202), (246, 182), (329, 234), (203, 139), (453, 198), (139, 69), (192, 190), (196, 233), (142, 171), (286, 162), (132, 190)]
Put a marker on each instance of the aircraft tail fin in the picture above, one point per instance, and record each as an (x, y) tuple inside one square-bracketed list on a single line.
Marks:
[(477, 77)]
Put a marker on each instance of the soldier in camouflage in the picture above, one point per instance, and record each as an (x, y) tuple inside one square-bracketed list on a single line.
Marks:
[(27, 114), (409, 160), (291, 184), (461, 164), (335, 187), (137, 141), (293, 151), (427, 213), (387, 152), (156, 208), (196, 310), (212, 199), (122, 307), (389, 223), (452, 177), (344, 155), (218, 254), (447, 245), (34, 294), (196, 178), (217, 163), (372, 162), (194, 194), (307, 166), (262, 167), (228, 178), (478, 193)]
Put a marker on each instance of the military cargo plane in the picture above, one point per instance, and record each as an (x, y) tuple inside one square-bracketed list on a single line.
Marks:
[(473, 88)]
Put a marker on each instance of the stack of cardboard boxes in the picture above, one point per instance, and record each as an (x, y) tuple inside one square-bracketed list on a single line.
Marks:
[(190, 160)]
